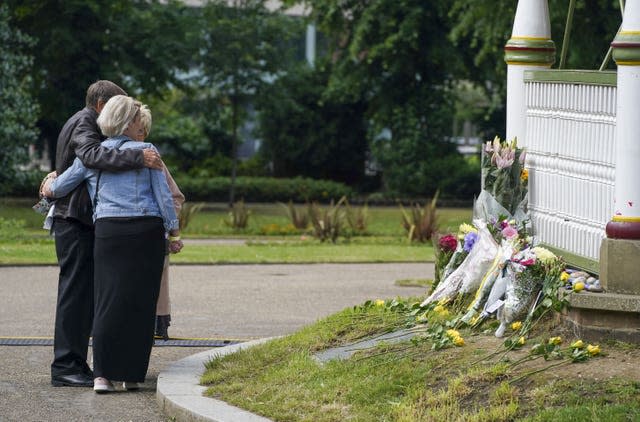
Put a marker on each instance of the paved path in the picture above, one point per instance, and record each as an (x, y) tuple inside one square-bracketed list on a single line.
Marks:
[(226, 301)]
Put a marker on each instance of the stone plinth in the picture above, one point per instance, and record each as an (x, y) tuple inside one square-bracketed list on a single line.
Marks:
[(620, 266), (604, 316)]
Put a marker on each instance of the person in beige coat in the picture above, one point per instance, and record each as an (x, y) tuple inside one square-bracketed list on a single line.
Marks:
[(163, 308)]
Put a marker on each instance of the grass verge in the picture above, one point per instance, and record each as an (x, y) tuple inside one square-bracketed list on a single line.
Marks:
[(43, 253), (411, 382)]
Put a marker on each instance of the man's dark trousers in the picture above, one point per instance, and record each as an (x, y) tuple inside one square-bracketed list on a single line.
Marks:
[(74, 311)]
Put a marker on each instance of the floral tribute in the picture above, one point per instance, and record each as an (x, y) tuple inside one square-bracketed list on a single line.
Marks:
[(492, 275), (493, 268)]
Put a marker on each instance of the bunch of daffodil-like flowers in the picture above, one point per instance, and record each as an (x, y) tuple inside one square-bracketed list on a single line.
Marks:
[(552, 350), (502, 172)]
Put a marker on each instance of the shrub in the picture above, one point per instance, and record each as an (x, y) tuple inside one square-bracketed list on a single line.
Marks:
[(299, 219), (358, 218), (187, 212), (262, 189), (238, 216), (422, 223), (327, 223)]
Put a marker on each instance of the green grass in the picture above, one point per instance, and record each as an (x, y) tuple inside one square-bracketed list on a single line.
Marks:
[(43, 252), (385, 240), (405, 382)]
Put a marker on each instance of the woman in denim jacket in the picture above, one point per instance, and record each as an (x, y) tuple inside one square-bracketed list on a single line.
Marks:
[(133, 211)]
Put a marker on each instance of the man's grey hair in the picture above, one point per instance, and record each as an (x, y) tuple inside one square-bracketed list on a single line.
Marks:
[(102, 91), (117, 114), (145, 119)]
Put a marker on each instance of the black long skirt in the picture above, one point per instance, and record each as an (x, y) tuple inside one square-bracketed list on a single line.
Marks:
[(128, 256)]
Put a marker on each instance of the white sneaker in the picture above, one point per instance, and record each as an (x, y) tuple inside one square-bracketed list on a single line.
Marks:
[(130, 386), (102, 385)]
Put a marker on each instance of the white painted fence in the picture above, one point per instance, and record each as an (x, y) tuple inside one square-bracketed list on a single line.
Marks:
[(570, 143)]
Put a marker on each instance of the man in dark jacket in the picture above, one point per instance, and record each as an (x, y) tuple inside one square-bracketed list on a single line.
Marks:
[(73, 229)]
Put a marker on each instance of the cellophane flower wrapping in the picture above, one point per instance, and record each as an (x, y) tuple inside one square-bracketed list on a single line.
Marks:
[(503, 176), (496, 272), (530, 267), (471, 270), (480, 259)]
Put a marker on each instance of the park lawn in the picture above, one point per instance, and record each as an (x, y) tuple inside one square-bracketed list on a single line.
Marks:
[(43, 253), (270, 238), (282, 379)]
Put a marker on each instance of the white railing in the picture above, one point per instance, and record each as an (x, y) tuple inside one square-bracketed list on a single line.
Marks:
[(570, 143)]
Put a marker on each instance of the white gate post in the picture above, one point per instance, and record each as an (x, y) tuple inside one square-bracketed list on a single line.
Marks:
[(620, 252), (530, 48)]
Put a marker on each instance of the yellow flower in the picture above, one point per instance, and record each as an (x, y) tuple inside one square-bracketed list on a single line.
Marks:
[(564, 276), (578, 344), (578, 287), (521, 341), (524, 175), (543, 254), (458, 341), (555, 340), (441, 310), (516, 326), (379, 302), (453, 333), (467, 228), (593, 350)]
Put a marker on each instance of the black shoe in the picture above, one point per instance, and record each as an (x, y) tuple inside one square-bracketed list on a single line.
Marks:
[(72, 380), (162, 325)]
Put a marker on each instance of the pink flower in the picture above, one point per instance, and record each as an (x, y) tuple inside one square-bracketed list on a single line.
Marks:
[(509, 232), (528, 262)]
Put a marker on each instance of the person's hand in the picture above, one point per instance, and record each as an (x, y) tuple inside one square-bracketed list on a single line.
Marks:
[(46, 182), (152, 159), (175, 246)]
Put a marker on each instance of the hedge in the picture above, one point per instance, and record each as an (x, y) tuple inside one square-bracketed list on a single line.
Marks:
[(262, 189)]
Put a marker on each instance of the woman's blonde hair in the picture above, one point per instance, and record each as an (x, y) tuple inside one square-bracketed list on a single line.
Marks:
[(116, 115), (145, 119)]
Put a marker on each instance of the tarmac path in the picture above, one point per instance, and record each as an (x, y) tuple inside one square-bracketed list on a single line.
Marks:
[(223, 301)]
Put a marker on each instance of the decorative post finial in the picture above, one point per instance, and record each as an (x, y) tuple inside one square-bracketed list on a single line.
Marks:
[(530, 47)]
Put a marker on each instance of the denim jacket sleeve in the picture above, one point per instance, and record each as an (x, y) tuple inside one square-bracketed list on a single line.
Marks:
[(164, 199), (67, 181)]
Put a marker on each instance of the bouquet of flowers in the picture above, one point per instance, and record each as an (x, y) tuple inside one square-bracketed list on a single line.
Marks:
[(530, 267), (444, 248), (482, 250), (502, 174)]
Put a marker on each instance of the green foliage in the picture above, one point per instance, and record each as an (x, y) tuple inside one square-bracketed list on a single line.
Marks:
[(299, 219), (422, 224), (357, 218), (328, 223), (138, 44), (11, 229), (243, 46), (261, 189), (18, 113), (307, 135), (238, 216), (187, 213)]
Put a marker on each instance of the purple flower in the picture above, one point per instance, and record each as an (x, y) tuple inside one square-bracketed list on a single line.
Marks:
[(469, 241)]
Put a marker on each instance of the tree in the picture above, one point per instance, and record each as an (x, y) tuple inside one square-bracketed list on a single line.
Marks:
[(244, 48), (481, 28), (304, 135), (395, 57), (141, 45), (18, 113)]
